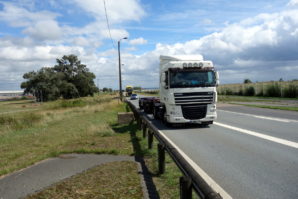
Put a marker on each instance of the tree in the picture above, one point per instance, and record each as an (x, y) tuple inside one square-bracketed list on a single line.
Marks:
[(43, 84), (68, 79), (247, 81), (72, 71), (137, 88)]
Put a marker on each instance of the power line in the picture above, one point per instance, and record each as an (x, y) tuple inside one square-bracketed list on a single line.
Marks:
[(108, 25)]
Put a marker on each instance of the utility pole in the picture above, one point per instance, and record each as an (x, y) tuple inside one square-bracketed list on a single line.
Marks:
[(120, 80)]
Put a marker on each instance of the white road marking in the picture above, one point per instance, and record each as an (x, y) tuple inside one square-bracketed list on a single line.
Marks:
[(260, 135), (261, 116), (200, 171)]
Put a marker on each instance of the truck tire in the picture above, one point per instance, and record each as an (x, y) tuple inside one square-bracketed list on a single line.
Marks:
[(155, 113), (147, 108), (140, 106)]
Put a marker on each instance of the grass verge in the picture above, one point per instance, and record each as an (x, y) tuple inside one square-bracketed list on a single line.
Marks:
[(167, 184), (88, 127), (112, 180), (229, 98), (52, 131), (287, 108)]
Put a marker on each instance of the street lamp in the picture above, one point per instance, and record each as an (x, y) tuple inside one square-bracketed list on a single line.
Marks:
[(120, 81)]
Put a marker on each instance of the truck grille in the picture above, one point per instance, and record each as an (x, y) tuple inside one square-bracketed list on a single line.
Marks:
[(193, 112), (194, 98)]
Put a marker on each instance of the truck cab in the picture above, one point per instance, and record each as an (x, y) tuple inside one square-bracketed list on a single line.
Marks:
[(188, 89)]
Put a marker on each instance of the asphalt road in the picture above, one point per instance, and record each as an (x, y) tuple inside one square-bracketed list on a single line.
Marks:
[(249, 152)]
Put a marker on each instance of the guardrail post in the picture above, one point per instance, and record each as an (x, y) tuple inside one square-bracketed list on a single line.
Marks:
[(185, 188), (161, 158), (144, 130), (139, 123), (150, 139)]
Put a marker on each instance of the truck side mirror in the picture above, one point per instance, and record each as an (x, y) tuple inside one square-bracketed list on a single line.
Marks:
[(217, 78)]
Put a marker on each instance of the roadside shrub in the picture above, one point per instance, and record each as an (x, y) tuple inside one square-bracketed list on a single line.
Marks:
[(240, 92), (291, 91), (249, 91), (273, 90), (152, 92), (260, 93), (228, 91)]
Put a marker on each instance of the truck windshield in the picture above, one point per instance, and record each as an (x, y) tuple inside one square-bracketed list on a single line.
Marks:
[(183, 79)]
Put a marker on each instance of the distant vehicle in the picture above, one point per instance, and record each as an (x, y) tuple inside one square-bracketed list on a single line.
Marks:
[(187, 91), (134, 96), (128, 90)]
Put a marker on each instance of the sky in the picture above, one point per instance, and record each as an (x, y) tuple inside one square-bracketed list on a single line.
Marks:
[(254, 39)]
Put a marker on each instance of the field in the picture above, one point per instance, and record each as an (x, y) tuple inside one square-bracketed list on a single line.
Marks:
[(287, 89), (31, 132)]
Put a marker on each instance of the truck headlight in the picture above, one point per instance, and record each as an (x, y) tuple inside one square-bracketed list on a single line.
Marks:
[(213, 108), (173, 113)]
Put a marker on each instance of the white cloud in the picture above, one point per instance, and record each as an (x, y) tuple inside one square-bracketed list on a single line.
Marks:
[(293, 3), (20, 17), (38, 25), (138, 41), (118, 11), (44, 30), (257, 48), (263, 47)]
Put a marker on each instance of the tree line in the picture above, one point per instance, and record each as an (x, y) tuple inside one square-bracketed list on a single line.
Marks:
[(69, 78)]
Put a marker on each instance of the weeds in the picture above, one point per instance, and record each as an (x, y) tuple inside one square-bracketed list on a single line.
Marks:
[(291, 91), (20, 121), (273, 90)]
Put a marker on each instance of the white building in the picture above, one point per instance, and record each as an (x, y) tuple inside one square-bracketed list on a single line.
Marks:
[(11, 93)]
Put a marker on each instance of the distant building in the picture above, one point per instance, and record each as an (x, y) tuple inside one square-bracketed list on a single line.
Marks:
[(11, 93), (7, 95)]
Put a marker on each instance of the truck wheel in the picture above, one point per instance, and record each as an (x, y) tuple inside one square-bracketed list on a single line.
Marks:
[(155, 114), (140, 106), (147, 108)]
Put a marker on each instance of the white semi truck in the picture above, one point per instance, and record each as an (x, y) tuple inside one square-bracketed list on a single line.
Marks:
[(187, 89)]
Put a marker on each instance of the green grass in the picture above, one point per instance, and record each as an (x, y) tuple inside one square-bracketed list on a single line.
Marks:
[(26, 138), (287, 108), (148, 93), (112, 180), (228, 98), (277, 102), (167, 184), (18, 105)]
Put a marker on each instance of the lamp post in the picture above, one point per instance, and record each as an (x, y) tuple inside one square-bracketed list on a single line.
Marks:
[(120, 81)]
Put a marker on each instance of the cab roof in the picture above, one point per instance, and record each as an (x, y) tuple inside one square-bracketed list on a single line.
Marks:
[(196, 57)]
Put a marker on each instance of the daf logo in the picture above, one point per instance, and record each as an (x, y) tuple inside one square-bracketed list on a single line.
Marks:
[(178, 94)]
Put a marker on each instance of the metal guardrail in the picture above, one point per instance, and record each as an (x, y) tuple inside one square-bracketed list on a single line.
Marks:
[(191, 179)]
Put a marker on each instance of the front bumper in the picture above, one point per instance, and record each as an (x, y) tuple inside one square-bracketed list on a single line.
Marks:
[(177, 116)]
